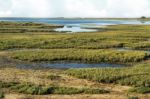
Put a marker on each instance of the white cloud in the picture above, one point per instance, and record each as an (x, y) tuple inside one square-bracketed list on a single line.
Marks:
[(74, 8), (29, 8)]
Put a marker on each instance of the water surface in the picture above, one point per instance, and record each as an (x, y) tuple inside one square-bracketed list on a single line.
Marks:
[(74, 29), (67, 65), (76, 21), (77, 25)]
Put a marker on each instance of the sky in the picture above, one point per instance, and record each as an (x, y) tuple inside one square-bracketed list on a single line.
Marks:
[(74, 8)]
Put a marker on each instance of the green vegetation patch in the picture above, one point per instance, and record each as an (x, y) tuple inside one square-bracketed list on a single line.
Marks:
[(40, 90), (138, 76), (54, 77), (1, 95), (96, 56), (133, 97), (37, 35), (142, 90), (141, 45), (25, 27)]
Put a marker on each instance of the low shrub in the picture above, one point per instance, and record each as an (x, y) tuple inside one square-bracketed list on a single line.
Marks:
[(40, 90), (66, 90), (1, 95), (137, 76), (142, 90), (95, 91), (54, 77), (133, 97)]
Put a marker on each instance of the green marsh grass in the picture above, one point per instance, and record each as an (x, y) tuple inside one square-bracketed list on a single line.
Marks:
[(96, 56), (24, 27), (34, 35), (142, 90), (41, 90), (136, 76), (37, 42), (1, 95)]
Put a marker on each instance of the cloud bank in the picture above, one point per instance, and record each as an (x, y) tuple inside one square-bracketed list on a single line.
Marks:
[(74, 8)]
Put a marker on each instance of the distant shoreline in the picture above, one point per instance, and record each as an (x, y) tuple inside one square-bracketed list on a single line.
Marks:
[(75, 18)]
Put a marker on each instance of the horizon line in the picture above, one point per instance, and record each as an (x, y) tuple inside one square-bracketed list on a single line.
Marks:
[(82, 17)]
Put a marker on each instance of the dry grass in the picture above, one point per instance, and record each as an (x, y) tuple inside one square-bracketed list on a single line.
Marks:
[(40, 77), (102, 96), (12, 96)]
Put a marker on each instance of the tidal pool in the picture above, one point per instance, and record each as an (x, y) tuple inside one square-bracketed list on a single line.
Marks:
[(67, 65)]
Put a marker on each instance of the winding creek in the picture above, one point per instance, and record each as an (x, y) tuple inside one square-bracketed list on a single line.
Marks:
[(54, 65), (67, 65), (59, 64)]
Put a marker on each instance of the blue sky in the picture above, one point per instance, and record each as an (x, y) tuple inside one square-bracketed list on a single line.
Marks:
[(74, 8)]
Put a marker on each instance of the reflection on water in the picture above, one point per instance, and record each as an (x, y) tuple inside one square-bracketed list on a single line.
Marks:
[(66, 65), (74, 29)]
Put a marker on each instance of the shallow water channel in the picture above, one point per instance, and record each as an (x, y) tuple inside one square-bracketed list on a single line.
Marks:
[(74, 64), (67, 65)]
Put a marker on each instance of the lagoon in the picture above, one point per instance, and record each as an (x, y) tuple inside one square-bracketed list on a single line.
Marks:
[(78, 25)]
